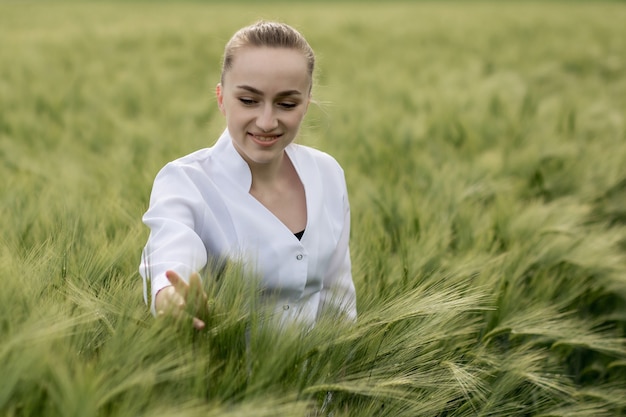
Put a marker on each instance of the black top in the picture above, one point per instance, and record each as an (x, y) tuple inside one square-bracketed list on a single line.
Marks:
[(299, 234)]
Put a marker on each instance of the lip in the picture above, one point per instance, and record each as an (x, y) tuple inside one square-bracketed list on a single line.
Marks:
[(264, 140)]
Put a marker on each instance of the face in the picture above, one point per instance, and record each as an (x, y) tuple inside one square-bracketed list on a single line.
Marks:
[(264, 96)]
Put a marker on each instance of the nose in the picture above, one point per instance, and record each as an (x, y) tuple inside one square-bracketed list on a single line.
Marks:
[(266, 120)]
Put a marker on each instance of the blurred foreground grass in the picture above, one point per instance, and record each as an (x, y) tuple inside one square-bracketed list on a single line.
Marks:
[(485, 151)]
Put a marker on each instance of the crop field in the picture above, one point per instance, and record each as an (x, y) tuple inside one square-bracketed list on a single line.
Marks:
[(484, 146)]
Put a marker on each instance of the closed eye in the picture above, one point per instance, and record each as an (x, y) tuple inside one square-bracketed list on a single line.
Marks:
[(247, 101), (287, 105)]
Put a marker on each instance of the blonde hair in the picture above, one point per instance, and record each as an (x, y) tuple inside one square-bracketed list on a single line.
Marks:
[(268, 34)]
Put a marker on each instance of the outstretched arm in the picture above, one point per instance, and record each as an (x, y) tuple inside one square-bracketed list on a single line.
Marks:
[(175, 217)]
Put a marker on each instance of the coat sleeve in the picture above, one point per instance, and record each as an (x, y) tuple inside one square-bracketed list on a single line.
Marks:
[(174, 217), (338, 290)]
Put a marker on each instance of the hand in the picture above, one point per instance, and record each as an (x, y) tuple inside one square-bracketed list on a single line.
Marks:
[(182, 299)]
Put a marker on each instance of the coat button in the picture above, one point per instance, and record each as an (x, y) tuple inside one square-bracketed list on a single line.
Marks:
[(299, 257), (286, 307)]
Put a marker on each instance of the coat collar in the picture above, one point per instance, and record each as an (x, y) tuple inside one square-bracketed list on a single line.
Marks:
[(231, 163), (231, 171), (237, 168)]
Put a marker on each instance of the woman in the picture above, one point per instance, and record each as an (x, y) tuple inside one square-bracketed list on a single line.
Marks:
[(255, 197)]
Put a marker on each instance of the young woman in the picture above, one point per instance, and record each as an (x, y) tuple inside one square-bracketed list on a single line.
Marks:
[(255, 197)]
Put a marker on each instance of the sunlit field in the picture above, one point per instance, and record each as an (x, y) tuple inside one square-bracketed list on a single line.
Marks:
[(484, 146)]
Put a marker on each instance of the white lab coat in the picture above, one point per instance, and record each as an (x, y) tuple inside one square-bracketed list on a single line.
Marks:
[(201, 211)]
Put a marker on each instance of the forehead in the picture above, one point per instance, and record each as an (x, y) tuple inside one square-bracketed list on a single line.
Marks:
[(269, 69)]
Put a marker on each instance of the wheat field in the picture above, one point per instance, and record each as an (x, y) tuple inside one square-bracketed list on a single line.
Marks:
[(484, 145)]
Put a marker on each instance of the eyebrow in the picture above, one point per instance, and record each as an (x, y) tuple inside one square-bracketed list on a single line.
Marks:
[(259, 92)]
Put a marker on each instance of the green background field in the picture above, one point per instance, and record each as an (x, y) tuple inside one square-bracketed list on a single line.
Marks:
[(484, 147)]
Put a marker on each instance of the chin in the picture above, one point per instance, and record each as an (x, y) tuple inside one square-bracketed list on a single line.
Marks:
[(264, 158)]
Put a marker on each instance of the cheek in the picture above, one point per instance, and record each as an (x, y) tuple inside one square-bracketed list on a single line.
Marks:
[(297, 118), (227, 109), (236, 120)]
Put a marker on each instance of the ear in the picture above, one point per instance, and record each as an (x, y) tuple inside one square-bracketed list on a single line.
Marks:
[(219, 93)]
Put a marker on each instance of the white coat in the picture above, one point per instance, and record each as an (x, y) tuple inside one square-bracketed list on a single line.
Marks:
[(201, 211)]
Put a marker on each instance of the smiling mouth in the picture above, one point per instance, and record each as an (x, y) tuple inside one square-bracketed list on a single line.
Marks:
[(264, 140)]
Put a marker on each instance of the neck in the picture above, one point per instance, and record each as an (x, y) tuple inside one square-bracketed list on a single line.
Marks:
[(268, 174)]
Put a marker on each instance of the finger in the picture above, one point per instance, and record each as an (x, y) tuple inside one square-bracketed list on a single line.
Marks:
[(198, 324), (195, 287), (195, 284), (177, 282), (196, 297)]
